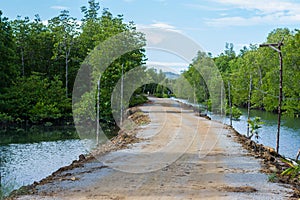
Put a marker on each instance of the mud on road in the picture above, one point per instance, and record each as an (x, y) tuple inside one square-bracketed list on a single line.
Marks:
[(178, 156)]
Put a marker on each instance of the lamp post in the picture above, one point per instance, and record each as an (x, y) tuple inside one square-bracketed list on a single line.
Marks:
[(277, 47), (121, 100), (98, 111)]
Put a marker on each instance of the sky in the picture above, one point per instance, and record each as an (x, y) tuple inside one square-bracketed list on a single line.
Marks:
[(210, 23)]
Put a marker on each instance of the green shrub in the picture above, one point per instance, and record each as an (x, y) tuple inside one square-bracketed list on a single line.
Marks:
[(236, 113), (137, 100), (165, 96), (5, 117), (293, 170), (158, 95)]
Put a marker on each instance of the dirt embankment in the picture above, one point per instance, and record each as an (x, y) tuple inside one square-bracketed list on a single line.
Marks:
[(136, 118), (272, 163), (178, 155)]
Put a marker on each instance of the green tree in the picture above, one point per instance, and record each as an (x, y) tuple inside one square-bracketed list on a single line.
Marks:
[(21, 34), (45, 102), (262, 65), (8, 67), (65, 29), (95, 31), (291, 74), (90, 13), (34, 46), (222, 61)]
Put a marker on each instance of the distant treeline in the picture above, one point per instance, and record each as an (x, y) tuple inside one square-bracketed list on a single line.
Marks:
[(253, 65), (40, 61)]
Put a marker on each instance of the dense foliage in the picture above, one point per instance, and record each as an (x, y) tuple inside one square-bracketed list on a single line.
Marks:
[(40, 61), (261, 66)]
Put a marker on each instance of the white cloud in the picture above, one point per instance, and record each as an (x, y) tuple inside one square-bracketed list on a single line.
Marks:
[(233, 21), (167, 64), (264, 6), (159, 25), (261, 12), (256, 20), (59, 7), (163, 25), (175, 67)]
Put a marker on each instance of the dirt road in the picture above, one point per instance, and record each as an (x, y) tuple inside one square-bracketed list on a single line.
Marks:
[(182, 157)]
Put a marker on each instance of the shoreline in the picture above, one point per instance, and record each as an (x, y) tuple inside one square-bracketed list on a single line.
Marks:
[(270, 161), (120, 141)]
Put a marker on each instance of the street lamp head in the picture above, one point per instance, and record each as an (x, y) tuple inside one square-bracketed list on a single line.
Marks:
[(279, 44)]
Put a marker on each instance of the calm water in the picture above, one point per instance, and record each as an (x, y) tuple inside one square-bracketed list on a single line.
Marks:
[(23, 163), (289, 132)]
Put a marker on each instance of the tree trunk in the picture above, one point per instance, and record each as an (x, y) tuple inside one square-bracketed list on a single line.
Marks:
[(249, 105), (230, 104), (23, 65), (66, 74)]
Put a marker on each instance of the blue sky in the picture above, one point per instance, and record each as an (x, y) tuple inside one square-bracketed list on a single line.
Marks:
[(211, 23)]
